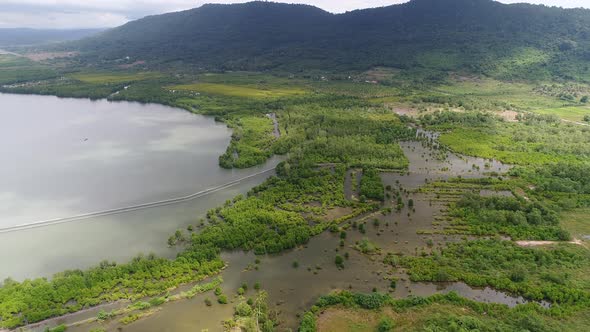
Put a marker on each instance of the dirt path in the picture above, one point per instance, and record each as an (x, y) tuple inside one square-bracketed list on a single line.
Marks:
[(547, 243), (575, 122), (352, 184), (276, 130)]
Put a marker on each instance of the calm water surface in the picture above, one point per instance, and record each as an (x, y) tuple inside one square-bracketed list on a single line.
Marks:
[(65, 157)]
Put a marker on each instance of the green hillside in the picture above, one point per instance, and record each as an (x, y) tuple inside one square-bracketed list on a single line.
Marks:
[(478, 36)]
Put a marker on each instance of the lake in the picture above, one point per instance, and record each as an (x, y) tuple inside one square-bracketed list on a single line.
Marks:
[(68, 157)]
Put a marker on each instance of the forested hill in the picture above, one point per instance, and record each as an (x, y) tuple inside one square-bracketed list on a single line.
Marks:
[(482, 36)]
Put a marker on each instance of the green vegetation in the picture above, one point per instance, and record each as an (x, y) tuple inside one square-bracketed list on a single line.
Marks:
[(71, 291), (534, 140), (113, 78), (385, 325), (59, 328), (371, 185), (365, 246), (488, 38), (339, 261), (346, 311), (577, 222), (237, 91), (552, 274), (252, 142), (326, 133), (16, 70), (515, 217), (489, 91)]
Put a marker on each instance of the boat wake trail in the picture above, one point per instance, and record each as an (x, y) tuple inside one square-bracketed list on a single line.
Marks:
[(130, 208)]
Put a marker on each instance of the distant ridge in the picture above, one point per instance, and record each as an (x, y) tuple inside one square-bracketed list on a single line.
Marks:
[(480, 36)]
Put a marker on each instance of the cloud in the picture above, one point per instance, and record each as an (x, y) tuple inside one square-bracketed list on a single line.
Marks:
[(61, 20), (63, 14)]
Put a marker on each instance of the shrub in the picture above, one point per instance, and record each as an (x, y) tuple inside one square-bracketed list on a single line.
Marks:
[(371, 185), (59, 328), (243, 309), (385, 325), (222, 299), (339, 261), (308, 324)]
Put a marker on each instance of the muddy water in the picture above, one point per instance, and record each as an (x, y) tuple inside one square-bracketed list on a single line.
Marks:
[(293, 290)]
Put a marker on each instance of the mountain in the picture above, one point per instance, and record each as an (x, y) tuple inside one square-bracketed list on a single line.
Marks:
[(29, 37), (481, 36)]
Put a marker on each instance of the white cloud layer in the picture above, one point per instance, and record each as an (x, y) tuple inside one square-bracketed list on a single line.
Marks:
[(62, 14)]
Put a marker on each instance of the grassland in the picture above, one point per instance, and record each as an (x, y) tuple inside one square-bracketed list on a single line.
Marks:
[(344, 311), (8, 60), (571, 113), (114, 77), (577, 222), (488, 94), (496, 146), (532, 141), (434, 317), (238, 91), (14, 69)]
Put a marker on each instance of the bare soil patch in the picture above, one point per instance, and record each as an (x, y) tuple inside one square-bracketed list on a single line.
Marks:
[(49, 55), (508, 116), (547, 243)]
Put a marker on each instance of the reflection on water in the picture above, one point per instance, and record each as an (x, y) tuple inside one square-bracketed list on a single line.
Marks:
[(46, 250), (66, 157)]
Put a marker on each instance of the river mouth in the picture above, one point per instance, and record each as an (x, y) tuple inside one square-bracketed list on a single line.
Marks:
[(70, 157)]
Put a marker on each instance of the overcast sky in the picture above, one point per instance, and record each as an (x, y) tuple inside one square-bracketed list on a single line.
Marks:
[(63, 14)]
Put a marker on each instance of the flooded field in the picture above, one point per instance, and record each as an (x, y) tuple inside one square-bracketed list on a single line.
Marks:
[(292, 290)]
